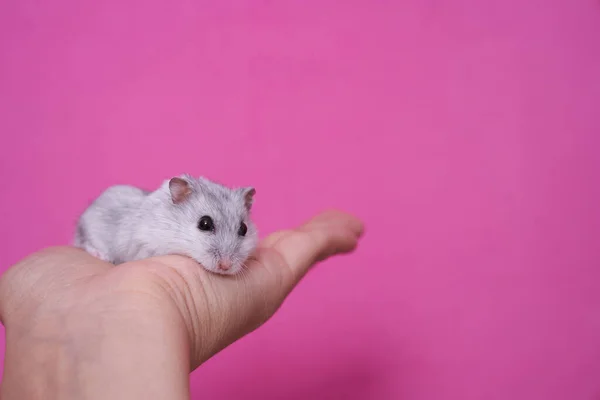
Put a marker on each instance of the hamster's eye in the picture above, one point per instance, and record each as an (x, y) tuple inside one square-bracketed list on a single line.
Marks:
[(206, 224), (243, 229)]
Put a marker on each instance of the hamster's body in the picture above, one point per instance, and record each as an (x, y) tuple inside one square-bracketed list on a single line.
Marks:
[(126, 223), (108, 227)]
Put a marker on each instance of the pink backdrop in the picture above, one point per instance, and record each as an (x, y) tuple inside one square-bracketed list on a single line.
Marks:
[(465, 133)]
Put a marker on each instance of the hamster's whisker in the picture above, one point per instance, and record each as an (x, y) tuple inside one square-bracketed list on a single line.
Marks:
[(241, 285), (242, 278), (245, 275), (242, 271), (245, 269)]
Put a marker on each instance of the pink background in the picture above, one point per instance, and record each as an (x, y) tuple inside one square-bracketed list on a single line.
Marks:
[(465, 134)]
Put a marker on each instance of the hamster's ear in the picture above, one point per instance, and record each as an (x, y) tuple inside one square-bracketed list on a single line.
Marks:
[(180, 190), (248, 193)]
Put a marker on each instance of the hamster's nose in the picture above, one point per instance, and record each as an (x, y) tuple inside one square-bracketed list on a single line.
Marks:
[(225, 265)]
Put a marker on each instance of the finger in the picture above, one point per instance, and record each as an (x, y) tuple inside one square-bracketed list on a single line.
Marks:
[(327, 234), (336, 217)]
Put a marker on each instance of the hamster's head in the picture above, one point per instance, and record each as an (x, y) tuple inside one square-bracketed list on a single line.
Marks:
[(213, 223)]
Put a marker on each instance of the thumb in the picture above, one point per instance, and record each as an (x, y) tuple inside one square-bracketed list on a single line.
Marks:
[(284, 257), (327, 234)]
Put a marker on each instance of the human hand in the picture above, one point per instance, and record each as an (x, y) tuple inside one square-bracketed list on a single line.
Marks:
[(77, 327)]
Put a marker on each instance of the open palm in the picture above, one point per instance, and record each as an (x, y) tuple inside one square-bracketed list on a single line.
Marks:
[(57, 283)]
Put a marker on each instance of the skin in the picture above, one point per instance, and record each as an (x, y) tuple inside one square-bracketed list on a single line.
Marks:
[(80, 328)]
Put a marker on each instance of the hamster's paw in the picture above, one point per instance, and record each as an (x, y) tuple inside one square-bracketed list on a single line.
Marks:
[(96, 253)]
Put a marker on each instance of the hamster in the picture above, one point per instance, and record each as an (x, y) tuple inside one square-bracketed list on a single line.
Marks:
[(189, 216)]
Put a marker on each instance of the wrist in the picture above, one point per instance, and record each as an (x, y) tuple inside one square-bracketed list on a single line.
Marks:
[(113, 350)]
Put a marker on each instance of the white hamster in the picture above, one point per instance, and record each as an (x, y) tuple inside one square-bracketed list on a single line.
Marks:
[(189, 216)]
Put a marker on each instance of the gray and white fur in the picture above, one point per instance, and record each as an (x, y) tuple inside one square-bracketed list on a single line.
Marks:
[(126, 223)]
